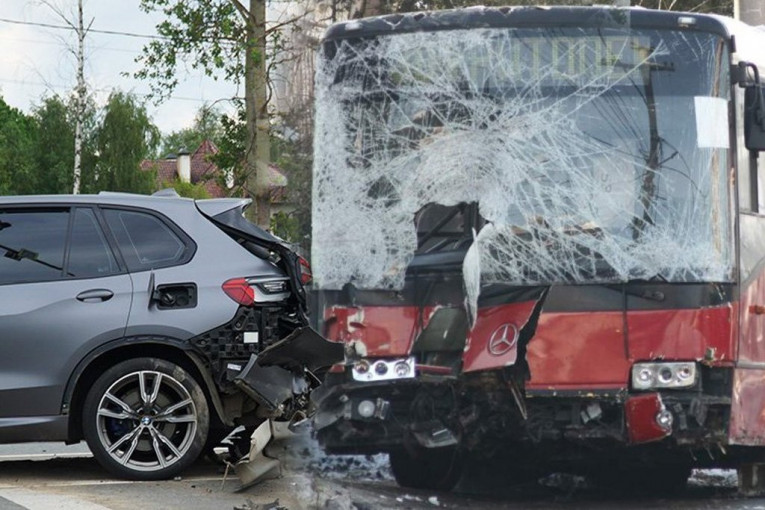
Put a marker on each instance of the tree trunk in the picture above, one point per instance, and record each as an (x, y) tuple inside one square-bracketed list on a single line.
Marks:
[(371, 8), (79, 100), (257, 147)]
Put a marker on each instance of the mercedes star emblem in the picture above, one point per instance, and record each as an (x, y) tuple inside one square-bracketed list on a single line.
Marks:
[(503, 339)]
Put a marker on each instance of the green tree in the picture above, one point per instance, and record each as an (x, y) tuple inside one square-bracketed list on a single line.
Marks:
[(207, 126), (187, 189), (223, 38), (231, 147), (287, 227), (18, 135), (124, 138), (54, 147), (293, 154)]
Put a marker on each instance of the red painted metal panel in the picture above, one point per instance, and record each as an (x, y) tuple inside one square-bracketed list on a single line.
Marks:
[(582, 350), (570, 350), (492, 343), (640, 413), (752, 343), (682, 334), (384, 330), (747, 415)]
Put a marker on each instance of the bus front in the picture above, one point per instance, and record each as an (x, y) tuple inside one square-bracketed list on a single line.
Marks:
[(524, 233)]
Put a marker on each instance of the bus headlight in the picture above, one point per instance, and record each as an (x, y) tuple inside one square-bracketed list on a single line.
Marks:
[(648, 376), (384, 369)]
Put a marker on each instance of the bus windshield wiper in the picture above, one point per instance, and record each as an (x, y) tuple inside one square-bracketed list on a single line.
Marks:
[(657, 277)]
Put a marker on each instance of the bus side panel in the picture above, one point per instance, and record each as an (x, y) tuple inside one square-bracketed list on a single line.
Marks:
[(752, 293), (747, 419), (747, 423), (752, 342), (683, 334), (579, 350)]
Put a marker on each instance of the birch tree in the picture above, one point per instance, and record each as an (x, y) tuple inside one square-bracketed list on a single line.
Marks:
[(80, 93)]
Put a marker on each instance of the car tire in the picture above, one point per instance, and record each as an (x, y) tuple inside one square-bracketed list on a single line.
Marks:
[(437, 469), (215, 437), (145, 419)]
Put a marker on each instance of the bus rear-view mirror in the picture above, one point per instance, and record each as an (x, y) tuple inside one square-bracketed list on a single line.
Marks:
[(754, 108), (754, 118)]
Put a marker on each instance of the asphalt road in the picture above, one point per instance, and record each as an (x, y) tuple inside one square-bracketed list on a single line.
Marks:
[(42, 476), (47, 477)]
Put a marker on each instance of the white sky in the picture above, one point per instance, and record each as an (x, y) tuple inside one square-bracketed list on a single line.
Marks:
[(37, 61)]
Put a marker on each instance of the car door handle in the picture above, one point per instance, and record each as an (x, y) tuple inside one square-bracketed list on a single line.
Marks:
[(95, 295)]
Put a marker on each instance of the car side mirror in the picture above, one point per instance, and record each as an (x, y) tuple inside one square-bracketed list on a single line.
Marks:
[(754, 113)]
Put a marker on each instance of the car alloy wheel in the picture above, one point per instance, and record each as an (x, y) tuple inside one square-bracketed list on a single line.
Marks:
[(146, 422)]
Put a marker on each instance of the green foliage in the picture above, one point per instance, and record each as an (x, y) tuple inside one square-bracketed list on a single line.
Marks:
[(294, 158), (207, 126), (188, 190), (18, 139), (54, 150), (209, 35), (232, 146), (37, 151), (125, 137), (186, 138), (286, 226), (222, 38)]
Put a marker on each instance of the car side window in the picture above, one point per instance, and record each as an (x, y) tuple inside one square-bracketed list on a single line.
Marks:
[(145, 240), (89, 253), (32, 244)]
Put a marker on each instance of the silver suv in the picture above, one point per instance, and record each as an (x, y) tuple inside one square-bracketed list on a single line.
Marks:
[(150, 326)]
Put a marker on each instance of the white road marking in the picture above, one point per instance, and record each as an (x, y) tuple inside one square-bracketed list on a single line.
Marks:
[(34, 500), (83, 483), (44, 456)]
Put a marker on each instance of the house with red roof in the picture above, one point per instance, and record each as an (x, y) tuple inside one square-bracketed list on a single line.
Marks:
[(196, 167)]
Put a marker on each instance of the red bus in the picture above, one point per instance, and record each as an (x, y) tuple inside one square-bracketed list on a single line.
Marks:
[(540, 233)]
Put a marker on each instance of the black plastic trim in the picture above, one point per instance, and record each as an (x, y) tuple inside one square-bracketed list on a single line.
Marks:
[(509, 17), (561, 298)]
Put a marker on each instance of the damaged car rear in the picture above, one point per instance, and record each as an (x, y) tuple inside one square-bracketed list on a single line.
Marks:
[(149, 326), (524, 233)]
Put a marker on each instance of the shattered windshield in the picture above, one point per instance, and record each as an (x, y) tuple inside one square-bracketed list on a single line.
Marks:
[(592, 155)]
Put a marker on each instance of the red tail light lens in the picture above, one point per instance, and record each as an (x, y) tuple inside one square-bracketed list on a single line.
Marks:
[(305, 271), (240, 291)]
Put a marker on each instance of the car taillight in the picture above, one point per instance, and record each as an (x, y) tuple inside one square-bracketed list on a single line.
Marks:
[(305, 271), (240, 291)]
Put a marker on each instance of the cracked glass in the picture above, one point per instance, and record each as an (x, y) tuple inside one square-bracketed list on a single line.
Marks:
[(575, 155)]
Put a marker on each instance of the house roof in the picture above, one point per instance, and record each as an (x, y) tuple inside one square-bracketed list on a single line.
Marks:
[(205, 171)]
